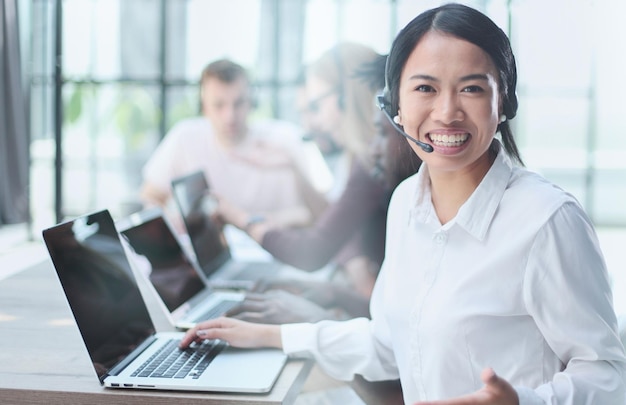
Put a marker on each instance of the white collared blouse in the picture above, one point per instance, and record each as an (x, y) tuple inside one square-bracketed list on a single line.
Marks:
[(516, 282)]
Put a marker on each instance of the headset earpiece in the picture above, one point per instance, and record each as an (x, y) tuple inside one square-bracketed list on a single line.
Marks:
[(384, 100), (384, 103)]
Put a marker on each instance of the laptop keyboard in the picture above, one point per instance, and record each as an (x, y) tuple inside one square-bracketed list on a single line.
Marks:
[(172, 362), (217, 310)]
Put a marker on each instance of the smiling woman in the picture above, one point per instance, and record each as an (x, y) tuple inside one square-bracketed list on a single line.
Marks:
[(454, 107), (466, 290)]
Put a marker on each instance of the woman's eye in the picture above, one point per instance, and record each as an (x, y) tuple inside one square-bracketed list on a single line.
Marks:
[(424, 88), (472, 89)]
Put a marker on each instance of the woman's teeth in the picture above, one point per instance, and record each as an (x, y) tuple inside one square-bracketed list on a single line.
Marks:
[(448, 139)]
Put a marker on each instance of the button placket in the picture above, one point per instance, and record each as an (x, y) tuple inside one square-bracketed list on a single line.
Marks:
[(429, 276)]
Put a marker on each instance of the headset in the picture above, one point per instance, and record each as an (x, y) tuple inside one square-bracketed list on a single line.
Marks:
[(385, 106)]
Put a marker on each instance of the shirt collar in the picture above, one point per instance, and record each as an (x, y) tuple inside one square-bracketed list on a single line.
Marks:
[(477, 213)]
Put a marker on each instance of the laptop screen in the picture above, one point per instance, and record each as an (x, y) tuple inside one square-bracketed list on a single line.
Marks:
[(159, 255), (100, 287), (191, 193)]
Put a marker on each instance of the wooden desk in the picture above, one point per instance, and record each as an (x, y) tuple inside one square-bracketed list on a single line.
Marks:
[(43, 359)]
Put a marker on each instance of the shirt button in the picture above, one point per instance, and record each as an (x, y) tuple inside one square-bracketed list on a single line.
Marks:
[(440, 238)]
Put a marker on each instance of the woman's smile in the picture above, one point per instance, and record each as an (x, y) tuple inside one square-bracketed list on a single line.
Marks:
[(448, 140)]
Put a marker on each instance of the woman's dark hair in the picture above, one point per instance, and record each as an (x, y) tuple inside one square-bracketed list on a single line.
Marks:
[(470, 25), (402, 162)]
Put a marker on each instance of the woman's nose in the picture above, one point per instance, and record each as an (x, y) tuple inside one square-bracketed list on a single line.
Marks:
[(447, 109)]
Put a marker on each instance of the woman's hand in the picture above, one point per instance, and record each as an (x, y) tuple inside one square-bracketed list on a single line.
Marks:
[(497, 391), (235, 332)]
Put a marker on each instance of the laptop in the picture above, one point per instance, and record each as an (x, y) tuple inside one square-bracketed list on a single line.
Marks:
[(208, 242), (174, 276), (102, 292)]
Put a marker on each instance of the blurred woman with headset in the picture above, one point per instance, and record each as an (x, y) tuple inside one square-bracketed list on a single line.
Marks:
[(351, 231)]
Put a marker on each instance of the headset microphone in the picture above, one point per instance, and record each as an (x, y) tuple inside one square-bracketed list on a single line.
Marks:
[(382, 104)]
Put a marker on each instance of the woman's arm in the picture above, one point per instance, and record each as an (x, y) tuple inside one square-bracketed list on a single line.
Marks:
[(568, 294), (310, 248)]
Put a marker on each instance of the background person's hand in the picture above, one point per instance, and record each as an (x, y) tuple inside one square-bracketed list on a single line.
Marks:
[(228, 213), (318, 292), (278, 307), (497, 391), (235, 332)]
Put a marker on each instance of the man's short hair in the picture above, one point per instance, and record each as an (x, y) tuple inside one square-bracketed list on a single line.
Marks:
[(223, 70)]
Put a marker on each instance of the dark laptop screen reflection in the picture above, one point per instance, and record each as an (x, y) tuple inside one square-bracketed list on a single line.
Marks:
[(98, 282), (196, 206), (170, 271)]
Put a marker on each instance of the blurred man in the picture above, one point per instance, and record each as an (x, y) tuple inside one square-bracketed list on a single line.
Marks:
[(262, 166)]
